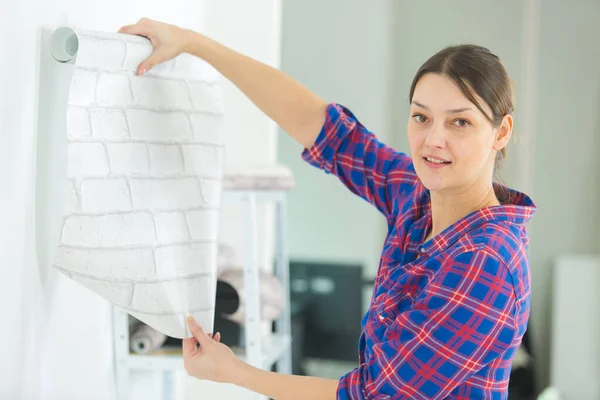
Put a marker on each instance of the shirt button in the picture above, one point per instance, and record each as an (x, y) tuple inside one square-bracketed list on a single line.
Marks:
[(422, 250), (381, 317)]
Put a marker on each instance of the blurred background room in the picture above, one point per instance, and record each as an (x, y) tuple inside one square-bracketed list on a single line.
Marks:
[(365, 54)]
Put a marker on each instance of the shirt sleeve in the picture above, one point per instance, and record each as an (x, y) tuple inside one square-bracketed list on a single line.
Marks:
[(465, 321), (369, 168)]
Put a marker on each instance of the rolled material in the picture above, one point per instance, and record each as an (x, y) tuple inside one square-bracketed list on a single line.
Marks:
[(64, 44), (271, 296), (145, 339), (144, 178)]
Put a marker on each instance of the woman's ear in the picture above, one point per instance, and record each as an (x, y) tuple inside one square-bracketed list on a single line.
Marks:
[(503, 133)]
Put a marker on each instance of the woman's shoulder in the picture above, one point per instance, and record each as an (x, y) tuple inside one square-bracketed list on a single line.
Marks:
[(501, 239), (505, 244), (501, 230)]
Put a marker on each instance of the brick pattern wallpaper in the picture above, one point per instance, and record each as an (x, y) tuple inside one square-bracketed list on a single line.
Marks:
[(145, 172)]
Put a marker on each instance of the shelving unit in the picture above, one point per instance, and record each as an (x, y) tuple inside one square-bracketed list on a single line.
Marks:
[(260, 351)]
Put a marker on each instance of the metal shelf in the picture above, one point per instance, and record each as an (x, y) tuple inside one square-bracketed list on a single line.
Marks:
[(262, 352)]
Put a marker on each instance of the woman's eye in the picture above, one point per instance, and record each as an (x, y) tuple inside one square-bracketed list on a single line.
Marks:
[(461, 123), (419, 118)]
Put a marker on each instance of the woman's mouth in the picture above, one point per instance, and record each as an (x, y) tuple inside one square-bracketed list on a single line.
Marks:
[(434, 162)]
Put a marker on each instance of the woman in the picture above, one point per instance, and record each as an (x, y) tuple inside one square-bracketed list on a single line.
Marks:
[(452, 295)]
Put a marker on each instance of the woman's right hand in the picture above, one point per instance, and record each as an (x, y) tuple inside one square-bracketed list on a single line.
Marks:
[(168, 41)]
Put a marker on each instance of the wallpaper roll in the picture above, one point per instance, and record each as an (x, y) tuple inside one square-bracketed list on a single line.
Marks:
[(145, 170), (271, 295), (144, 339)]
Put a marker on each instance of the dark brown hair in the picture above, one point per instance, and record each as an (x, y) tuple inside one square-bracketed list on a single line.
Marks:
[(475, 70)]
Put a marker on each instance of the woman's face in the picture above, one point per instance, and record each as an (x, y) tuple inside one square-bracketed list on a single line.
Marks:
[(453, 144)]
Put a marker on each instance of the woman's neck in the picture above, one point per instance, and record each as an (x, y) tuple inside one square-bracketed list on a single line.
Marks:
[(447, 209)]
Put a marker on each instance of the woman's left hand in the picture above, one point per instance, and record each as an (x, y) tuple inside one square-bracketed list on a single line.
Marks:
[(212, 360)]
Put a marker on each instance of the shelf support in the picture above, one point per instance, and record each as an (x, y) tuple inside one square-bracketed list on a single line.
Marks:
[(284, 324), (252, 328)]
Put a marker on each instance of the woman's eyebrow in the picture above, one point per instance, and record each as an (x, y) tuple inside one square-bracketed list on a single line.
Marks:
[(453, 111)]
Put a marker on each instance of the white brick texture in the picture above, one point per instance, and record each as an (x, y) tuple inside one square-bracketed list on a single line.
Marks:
[(159, 126), (203, 224), (160, 93), (79, 123), (105, 54), (109, 264), (108, 124), (87, 159), (186, 259), (112, 230), (166, 194), (171, 227), (165, 159), (128, 158), (105, 195), (119, 293), (175, 296), (83, 88), (208, 128), (203, 160), (72, 199), (145, 166), (113, 90), (211, 193)]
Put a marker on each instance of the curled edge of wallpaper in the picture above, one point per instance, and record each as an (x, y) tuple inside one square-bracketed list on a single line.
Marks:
[(144, 178)]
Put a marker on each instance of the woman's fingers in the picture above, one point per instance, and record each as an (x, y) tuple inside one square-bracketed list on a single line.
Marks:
[(144, 28), (198, 332), (136, 29), (217, 337), (189, 346), (146, 65), (167, 41)]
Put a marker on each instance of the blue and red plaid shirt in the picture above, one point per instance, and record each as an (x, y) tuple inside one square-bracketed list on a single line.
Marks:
[(447, 315)]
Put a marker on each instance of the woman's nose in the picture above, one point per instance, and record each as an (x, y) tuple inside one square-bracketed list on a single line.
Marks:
[(436, 137)]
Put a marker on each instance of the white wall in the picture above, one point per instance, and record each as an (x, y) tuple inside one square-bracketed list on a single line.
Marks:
[(566, 168), (576, 349), (54, 333), (340, 50)]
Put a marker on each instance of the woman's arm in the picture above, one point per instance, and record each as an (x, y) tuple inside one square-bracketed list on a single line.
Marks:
[(379, 174), (216, 362), (333, 139), (297, 110), (285, 387)]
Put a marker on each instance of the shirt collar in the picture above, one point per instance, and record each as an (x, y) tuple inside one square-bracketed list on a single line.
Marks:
[(518, 210)]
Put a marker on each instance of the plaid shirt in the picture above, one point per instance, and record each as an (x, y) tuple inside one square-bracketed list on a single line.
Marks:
[(447, 315)]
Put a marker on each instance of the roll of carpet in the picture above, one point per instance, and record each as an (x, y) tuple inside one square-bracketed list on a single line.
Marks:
[(232, 304), (144, 339)]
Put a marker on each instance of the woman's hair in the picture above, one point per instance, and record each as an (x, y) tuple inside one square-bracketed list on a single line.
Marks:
[(475, 70)]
